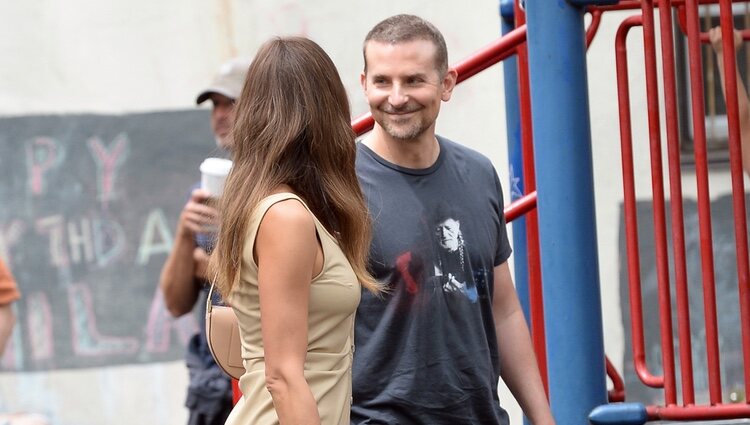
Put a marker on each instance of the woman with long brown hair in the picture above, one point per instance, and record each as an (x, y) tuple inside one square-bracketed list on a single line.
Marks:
[(293, 240)]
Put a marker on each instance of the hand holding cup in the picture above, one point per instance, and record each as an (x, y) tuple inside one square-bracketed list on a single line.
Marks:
[(213, 175), (197, 215)]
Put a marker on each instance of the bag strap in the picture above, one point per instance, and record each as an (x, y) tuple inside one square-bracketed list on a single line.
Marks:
[(209, 304)]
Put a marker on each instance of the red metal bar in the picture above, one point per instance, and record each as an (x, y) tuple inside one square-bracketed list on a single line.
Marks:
[(491, 54), (637, 4), (675, 195), (657, 185), (520, 207), (363, 124), (738, 189), (704, 202), (596, 19), (719, 411), (533, 252), (618, 392), (631, 219)]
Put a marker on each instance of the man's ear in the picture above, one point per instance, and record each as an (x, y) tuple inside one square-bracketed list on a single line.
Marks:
[(363, 81), (449, 82)]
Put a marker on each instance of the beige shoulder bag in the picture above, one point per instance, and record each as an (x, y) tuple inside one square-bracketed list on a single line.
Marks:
[(223, 335)]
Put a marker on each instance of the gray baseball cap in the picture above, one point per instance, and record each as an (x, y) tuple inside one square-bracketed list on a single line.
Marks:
[(228, 81)]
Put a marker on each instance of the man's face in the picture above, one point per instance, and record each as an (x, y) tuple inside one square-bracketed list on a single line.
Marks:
[(222, 119), (447, 233), (404, 88)]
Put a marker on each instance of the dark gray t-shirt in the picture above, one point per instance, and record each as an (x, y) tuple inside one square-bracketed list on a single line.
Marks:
[(426, 353)]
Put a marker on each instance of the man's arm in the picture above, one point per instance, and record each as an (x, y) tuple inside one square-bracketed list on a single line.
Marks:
[(518, 365), (742, 99), (185, 265), (7, 321)]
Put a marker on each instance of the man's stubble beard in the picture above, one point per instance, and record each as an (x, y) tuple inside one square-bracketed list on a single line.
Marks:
[(411, 132)]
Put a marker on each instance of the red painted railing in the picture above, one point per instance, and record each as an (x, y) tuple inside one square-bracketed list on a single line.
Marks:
[(687, 12), (533, 255)]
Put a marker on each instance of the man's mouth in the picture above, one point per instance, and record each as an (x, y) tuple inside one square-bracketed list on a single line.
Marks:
[(399, 112)]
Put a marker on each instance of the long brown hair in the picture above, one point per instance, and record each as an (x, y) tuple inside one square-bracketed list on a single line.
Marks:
[(292, 127)]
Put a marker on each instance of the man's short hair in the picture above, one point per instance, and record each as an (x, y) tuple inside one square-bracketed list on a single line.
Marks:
[(403, 28)]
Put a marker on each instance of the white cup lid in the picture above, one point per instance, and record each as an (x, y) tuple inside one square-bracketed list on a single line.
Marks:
[(216, 166)]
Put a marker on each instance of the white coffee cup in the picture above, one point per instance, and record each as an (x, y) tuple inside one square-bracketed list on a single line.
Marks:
[(213, 174)]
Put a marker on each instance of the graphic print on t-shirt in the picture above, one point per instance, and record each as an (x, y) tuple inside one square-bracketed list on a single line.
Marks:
[(452, 267)]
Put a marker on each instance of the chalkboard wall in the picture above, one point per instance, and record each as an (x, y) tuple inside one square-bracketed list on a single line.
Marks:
[(727, 300), (88, 208)]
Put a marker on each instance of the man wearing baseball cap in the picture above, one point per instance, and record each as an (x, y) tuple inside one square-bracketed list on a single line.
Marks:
[(222, 92), (183, 277)]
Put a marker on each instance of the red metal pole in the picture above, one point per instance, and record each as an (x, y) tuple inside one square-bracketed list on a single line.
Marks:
[(720, 411), (520, 207), (631, 219), (637, 4), (533, 255), (363, 124), (491, 54), (738, 189), (617, 393), (704, 202), (596, 19), (675, 186), (657, 185)]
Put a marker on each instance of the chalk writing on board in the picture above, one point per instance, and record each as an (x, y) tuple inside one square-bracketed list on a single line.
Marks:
[(90, 203)]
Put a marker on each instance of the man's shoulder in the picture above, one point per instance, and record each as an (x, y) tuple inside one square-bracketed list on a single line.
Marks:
[(465, 153)]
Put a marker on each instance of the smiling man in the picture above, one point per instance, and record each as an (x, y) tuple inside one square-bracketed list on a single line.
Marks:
[(432, 349)]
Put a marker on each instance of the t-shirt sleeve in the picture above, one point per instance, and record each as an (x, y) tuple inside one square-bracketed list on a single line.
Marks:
[(503, 249), (8, 289)]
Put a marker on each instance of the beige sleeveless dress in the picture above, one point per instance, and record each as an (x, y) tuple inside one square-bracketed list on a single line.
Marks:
[(334, 297)]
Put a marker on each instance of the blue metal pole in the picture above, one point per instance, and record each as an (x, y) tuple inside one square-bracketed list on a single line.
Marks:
[(565, 204), (516, 188)]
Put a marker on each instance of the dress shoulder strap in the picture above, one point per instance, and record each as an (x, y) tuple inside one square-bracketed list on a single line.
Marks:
[(270, 200), (265, 204)]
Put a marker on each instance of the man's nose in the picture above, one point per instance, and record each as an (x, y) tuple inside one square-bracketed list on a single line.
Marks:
[(223, 111), (398, 96)]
